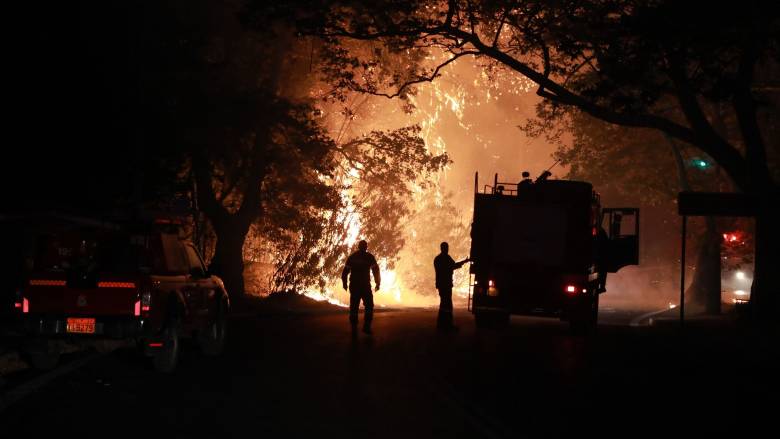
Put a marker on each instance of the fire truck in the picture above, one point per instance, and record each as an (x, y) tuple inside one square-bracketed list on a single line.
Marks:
[(543, 248)]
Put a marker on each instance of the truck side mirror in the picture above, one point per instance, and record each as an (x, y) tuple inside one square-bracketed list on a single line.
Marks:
[(614, 225)]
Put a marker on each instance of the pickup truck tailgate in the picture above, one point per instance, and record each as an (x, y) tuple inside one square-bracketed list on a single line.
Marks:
[(107, 299)]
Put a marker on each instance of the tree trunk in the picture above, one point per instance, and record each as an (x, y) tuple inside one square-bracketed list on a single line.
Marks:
[(704, 291), (228, 261), (765, 291)]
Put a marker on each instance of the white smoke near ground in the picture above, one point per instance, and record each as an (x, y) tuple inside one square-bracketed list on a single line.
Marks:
[(642, 288)]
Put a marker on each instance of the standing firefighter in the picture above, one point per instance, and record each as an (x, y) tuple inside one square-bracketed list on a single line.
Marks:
[(359, 264), (445, 266)]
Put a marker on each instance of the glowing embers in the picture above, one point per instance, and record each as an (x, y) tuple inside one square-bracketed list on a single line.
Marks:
[(47, 283)]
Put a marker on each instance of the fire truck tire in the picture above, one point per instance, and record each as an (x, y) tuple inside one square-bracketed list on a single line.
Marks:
[(166, 357), (44, 355), (584, 321), (212, 338), (493, 320)]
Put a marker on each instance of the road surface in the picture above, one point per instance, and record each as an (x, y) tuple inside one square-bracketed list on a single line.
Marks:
[(289, 375)]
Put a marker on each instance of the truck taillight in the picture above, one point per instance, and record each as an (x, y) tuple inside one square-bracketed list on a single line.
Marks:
[(21, 303), (492, 290), (143, 305), (146, 301), (571, 289)]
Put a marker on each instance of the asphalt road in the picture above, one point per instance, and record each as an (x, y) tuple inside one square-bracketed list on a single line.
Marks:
[(303, 376)]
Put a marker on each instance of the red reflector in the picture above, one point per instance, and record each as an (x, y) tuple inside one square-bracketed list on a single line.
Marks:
[(116, 285), (571, 288), (145, 308), (25, 305), (155, 345), (137, 308), (47, 283), (18, 305)]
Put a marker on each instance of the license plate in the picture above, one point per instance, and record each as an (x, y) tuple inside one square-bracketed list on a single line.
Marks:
[(81, 326)]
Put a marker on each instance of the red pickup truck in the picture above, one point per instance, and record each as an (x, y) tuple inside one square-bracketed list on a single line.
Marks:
[(85, 283)]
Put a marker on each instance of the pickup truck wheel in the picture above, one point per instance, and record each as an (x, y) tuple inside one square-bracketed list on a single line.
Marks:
[(212, 337), (167, 356), (44, 355)]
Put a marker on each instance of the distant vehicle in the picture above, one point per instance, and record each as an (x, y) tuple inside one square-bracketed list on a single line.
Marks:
[(735, 284), (535, 248), (87, 281)]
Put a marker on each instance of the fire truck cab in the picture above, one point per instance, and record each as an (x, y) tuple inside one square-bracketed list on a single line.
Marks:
[(544, 248)]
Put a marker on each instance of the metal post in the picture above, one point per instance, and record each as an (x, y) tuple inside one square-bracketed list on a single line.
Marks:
[(682, 273)]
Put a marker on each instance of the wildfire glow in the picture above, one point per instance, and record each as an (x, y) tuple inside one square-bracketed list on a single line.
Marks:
[(456, 115)]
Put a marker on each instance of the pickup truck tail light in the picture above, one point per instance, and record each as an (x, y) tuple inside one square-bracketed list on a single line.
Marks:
[(143, 305), (21, 303)]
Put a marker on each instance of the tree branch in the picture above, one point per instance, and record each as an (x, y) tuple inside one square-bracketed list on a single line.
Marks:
[(709, 140), (207, 199), (420, 80), (723, 152), (745, 109)]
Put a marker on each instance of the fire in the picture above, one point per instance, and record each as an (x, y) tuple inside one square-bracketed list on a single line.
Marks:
[(327, 297)]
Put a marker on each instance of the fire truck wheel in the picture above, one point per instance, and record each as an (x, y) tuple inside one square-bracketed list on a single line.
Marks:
[(584, 321), (212, 337), (44, 355), (494, 320), (167, 356)]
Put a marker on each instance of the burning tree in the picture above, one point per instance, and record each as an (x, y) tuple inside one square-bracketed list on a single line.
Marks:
[(374, 179)]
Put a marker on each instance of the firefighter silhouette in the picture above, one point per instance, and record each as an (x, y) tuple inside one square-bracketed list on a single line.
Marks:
[(445, 266), (358, 267)]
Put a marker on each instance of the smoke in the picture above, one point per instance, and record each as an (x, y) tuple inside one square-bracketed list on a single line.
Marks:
[(642, 288)]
